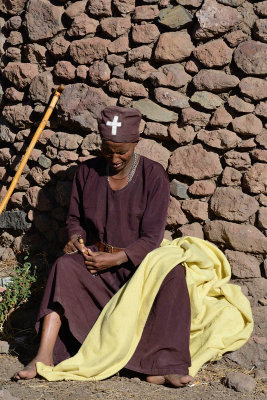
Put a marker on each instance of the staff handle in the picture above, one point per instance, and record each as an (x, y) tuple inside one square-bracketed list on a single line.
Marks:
[(31, 146)]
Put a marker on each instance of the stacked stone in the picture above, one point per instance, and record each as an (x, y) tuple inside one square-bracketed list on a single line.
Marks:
[(197, 72)]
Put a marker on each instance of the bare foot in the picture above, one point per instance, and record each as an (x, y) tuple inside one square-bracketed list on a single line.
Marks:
[(30, 371), (172, 380)]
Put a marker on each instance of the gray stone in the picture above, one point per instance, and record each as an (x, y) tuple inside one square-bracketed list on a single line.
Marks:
[(154, 112), (6, 254), (175, 17), (240, 382), (207, 100), (4, 348), (66, 141), (6, 135), (179, 189), (14, 220), (91, 142), (43, 20), (170, 75), (171, 98), (44, 162), (41, 87), (6, 395)]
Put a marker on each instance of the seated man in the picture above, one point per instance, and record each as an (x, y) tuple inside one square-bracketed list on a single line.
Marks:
[(118, 207)]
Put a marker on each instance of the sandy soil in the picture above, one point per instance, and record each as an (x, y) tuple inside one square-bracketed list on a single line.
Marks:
[(208, 386)]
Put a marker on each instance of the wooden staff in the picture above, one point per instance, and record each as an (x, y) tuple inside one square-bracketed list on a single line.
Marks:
[(31, 146)]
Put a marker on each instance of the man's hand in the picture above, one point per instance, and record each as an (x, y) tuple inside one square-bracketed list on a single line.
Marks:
[(74, 245), (100, 261)]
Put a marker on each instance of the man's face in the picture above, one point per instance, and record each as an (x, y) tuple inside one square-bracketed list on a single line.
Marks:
[(118, 155)]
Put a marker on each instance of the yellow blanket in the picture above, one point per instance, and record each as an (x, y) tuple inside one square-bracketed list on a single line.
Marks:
[(221, 315)]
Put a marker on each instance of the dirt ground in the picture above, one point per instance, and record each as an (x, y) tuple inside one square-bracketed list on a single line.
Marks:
[(208, 386)]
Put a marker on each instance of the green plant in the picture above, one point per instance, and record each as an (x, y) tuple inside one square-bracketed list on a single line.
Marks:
[(18, 290)]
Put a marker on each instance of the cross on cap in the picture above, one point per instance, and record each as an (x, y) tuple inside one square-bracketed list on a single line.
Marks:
[(115, 124), (124, 123)]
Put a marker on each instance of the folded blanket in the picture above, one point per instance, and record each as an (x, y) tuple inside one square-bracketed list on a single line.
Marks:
[(221, 318)]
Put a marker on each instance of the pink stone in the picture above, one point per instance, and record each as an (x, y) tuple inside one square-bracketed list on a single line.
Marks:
[(233, 205), (18, 115), (58, 47), (259, 155), (231, 177), (120, 45), (216, 18), (235, 159), (221, 118), (154, 129), (76, 9), (99, 72), (20, 74), (82, 25), (153, 150), (81, 72), (196, 209), (146, 33), (262, 218), (141, 53), (126, 88), (243, 265), (140, 71), (194, 229), (101, 8), (144, 13), (191, 67), (173, 47), (115, 26), (220, 138), (236, 37), (214, 80), (202, 188), (13, 94), (87, 50), (194, 117), (255, 88), (251, 57), (245, 238), (255, 178), (65, 70), (247, 124), (214, 53), (182, 135), (171, 75), (66, 156), (194, 161), (175, 215), (124, 6)]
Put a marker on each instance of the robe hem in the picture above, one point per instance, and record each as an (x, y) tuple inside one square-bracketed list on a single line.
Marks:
[(180, 370)]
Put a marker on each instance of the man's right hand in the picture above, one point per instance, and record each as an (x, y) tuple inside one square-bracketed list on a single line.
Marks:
[(73, 245)]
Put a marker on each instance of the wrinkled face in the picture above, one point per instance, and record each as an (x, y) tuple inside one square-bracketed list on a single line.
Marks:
[(118, 155)]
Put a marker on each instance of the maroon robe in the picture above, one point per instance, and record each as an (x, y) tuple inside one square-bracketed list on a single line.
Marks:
[(132, 218)]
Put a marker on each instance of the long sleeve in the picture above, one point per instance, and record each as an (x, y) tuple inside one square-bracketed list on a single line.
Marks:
[(75, 213), (153, 220)]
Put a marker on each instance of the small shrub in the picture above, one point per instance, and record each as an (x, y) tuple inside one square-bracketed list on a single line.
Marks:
[(18, 290)]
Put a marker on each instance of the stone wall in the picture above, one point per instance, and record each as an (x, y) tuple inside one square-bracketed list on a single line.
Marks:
[(197, 72)]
